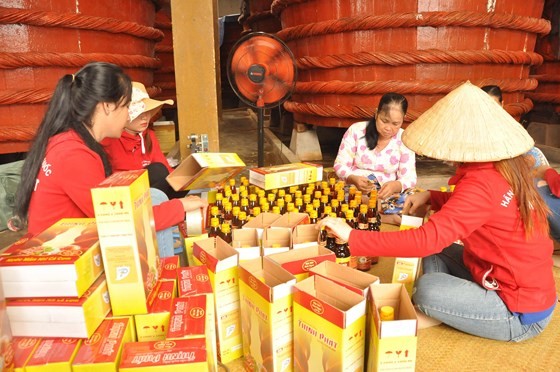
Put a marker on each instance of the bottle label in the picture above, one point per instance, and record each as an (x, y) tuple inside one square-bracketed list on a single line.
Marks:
[(363, 226), (364, 263), (345, 261), (372, 220)]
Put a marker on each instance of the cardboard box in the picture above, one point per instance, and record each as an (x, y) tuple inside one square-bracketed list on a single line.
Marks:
[(392, 344), (60, 316), (193, 317), (161, 356), (194, 282), (189, 242), (102, 351), (351, 279), (125, 223), (329, 327), (53, 355), (265, 291), (169, 266), (261, 222), (276, 240), (305, 236), (299, 261), (407, 269), (23, 348), (278, 176), (153, 325), (205, 170), (222, 260), (291, 220), (246, 243), (131, 329), (62, 261)]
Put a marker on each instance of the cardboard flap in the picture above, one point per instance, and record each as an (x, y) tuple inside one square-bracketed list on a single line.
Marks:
[(349, 278), (395, 295), (215, 253), (278, 235)]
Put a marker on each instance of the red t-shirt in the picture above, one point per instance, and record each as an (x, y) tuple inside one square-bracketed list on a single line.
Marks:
[(63, 187), (553, 179), (483, 213), (125, 153)]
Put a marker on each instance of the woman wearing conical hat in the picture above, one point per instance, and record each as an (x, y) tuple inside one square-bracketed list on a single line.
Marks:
[(499, 285)]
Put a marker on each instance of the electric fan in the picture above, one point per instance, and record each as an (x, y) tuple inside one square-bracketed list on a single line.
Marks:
[(262, 72)]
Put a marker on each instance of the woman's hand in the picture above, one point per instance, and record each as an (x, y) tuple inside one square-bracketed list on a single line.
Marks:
[(415, 201), (540, 171), (192, 203), (336, 226), (362, 183), (389, 188)]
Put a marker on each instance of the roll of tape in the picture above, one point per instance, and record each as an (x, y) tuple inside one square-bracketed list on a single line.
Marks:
[(194, 221)]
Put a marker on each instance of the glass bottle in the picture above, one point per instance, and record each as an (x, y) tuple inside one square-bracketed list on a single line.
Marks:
[(214, 230), (363, 218), (265, 208), (374, 219), (256, 211), (299, 205), (276, 209), (350, 219), (335, 207), (323, 236), (242, 218), (228, 214), (331, 242), (245, 205), (252, 202), (215, 213), (313, 216), (386, 313), (332, 186), (324, 203), (342, 252), (232, 187), (226, 233), (235, 200)]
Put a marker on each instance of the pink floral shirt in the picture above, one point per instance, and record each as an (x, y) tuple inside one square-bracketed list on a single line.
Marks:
[(394, 162)]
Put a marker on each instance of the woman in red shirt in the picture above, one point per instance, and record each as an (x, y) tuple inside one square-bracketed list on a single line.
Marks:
[(67, 160), (499, 285), (138, 147)]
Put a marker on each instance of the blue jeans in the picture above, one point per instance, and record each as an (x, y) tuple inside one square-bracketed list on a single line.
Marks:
[(553, 203), (164, 237), (446, 292)]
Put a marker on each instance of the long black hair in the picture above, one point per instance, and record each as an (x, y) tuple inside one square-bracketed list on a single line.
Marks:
[(493, 90), (372, 135), (72, 106)]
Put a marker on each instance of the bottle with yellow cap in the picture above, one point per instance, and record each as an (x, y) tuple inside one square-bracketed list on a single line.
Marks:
[(342, 252), (276, 209), (228, 214), (214, 230), (232, 187), (242, 218), (226, 233), (386, 313)]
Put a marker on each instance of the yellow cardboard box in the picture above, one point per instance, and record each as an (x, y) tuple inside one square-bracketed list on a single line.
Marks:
[(131, 328), (265, 291), (60, 316), (392, 344), (22, 348), (125, 223), (284, 175), (164, 356), (329, 327), (102, 351), (407, 269), (299, 261), (246, 243), (195, 281), (169, 266), (205, 170), (352, 279), (53, 355), (67, 253), (222, 260), (189, 242), (153, 325), (193, 317)]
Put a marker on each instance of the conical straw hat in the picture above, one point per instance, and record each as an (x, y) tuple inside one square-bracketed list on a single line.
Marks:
[(467, 126)]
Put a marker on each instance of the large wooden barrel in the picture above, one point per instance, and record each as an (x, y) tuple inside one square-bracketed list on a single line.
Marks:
[(256, 15), (40, 41), (349, 53), (164, 76), (547, 95)]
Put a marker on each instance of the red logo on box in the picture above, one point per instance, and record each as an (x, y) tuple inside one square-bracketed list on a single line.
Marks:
[(164, 345), (197, 312), (164, 295), (253, 283), (308, 265), (317, 307), (202, 257), (95, 338), (202, 277)]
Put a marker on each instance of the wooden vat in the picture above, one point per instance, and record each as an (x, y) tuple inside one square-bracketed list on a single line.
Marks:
[(349, 53)]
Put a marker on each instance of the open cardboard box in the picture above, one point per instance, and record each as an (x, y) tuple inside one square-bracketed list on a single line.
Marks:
[(392, 344), (298, 262), (276, 240), (246, 243), (204, 170), (349, 278), (305, 236), (291, 220), (261, 222)]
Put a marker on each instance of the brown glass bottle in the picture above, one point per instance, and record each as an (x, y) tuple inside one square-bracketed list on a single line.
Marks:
[(226, 233), (313, 216), (363, 218), (242, 218), (228, 215), (342, 252), (350, 219), (214, 229)]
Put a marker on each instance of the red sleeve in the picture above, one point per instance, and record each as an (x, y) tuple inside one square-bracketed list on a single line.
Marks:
[(168, 214), (157, 154), (81, 172), (553, 179), (438, 199), (468, 208)]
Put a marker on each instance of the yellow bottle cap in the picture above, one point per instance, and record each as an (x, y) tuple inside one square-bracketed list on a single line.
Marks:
[(387, 313)]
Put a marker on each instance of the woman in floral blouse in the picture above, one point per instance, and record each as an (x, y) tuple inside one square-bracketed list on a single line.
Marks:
[(373, 153)]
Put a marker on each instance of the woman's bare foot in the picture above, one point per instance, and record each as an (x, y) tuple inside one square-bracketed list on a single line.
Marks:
[(425, 321)]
